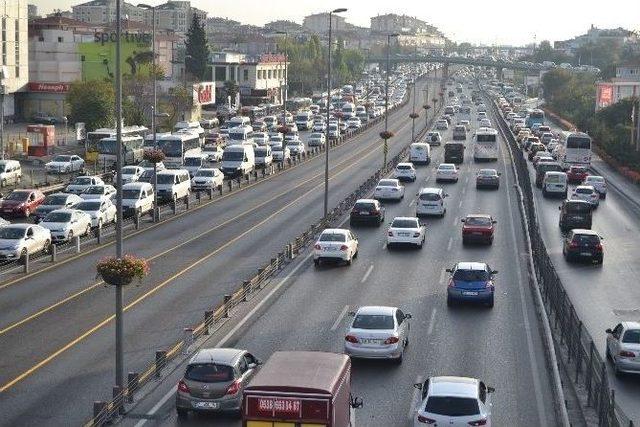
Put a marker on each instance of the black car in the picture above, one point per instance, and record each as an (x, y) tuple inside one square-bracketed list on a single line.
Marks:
[(367, 211), (488, 178), (583, 244), (575, 214), (544, 167)]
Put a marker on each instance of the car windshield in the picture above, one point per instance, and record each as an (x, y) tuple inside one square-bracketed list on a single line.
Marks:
[(209, 373), (332, 237), (81, 180), (206, 172), (478, 221), (404, 223), (452, 406), (387, 183), (632, 336), (95, 189), (130, 194), (62, 158), (88, 206), (232, 155), (373, 321), (192, 161), (471, 275), (129, 170), (18, 195), (55, 200), (11, 233), (58, 217)]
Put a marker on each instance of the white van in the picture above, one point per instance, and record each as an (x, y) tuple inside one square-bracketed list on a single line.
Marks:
[(173, 184), (238, 160), (238, 121), (304, 120), (137, 197), (431, 202), (555, 184), (10, 172), (193, 127), (348, 110), (240, 135), (264, 156), (420, 153)]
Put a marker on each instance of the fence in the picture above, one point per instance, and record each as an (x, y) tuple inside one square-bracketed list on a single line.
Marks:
[(587, 368)]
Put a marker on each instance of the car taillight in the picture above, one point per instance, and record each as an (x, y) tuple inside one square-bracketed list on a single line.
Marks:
[(391, 340), (344, 247), (599, 247), (416, 234), (317, 247), (425, 420), (481, 422), (489, 284), (234, 387), (375, 211), (182, 386), (624, 353), (351, 339), (573, 245)]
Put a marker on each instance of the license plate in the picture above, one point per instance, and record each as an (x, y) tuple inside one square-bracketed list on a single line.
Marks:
[(330, 249), (403, 234), (470, 293), (370, 341), (477, 233), (7, 209), (585, 253), (364, 213), (207, 405)]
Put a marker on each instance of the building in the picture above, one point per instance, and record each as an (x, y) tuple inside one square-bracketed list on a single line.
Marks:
[(175, 15), (104, 11), (625, 84), (618, 36), (318, 23), (32, 11), (284, 25), (260, 79), (392, 23), (15, 61), (216, 25)]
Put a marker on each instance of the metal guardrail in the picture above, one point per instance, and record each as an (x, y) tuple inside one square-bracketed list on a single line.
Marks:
[(569, 331)]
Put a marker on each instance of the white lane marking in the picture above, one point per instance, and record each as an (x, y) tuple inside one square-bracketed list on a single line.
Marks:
[(384, 245), (340, 317), (412, 202), (432, 321), (442, 274), (450, 243), (415, 396), (427, 179), (367, 273), (460, 204)]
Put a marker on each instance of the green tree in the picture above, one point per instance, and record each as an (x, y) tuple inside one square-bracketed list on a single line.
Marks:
[(132, 112), (554, 81), (197, 49), (92, 102), (231, 89)]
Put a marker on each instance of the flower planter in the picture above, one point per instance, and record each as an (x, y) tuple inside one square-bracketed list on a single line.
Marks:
[(122, 271), (116, 279)]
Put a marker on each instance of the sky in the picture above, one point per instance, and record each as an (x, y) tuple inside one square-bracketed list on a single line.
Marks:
[(486, 22)]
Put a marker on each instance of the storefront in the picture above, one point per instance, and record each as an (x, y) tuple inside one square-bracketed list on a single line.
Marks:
[(48, 98)]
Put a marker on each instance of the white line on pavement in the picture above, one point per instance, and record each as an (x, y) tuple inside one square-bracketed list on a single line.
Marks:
[(432, 321), (442, 274), (450, 243), (460, 204), (340, 317), (366, 274), (412, 202), (384, 245), (414, 399)]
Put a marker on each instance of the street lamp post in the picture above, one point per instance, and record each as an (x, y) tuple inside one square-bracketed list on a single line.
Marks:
[(285, 92), (386, 97), (413, 119), (326, 144)]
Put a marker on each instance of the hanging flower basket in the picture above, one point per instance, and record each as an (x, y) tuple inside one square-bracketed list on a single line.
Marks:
[(414, 115), (386, 134), (153, 156), (122, 271)]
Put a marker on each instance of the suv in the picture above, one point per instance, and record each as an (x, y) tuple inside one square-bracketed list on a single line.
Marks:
[(459, 132), (433, 138), (575, 214), (580, 244)]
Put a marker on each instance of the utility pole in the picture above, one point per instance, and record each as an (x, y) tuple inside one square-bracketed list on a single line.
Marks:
[(286, 78)]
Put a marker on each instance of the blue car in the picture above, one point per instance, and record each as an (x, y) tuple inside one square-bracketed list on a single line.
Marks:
[(471, 282)]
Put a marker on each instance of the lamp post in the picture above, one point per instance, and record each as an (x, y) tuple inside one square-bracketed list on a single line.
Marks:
[(326, 147), (413, 114), (386, 97), (285, 92)]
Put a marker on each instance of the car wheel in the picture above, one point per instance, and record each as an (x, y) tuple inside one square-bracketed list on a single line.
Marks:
[(490, 303), (421, 245), (603, 195), (355, 255), (88, 230), (349, 260), (398, 361), (100, 223), (70, 235), (618, 373), (316, 262), (607, 353), (182, 413), (3, 183)]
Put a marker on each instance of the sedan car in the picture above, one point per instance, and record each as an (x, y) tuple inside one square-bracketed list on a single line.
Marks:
[(454, 402), (598, 183), (377, 332), (478, 228), (406, 230), (471, 282), (581, 243), (64, 224), (296, 147), (586, 193), (335, 244), (214, 381), (316, 139), (488, 178), (442, 124), (98, 192), (577, 174), (56, 201), (21, 202), (319, 126), (207, 179), (389, 189), (64, 163), (367, 211), (102, 212), (405, 172), (81, 183), (447, 172), (18, 240), (131, 174), (623, 347)]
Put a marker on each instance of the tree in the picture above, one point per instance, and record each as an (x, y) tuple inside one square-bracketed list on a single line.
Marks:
[(231, 88), (197, 49), (92, 102), (554, 81), (132, 112), (179, 101)]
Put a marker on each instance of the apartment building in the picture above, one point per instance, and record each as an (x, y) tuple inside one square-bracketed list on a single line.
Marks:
[(175, 15), (14, 69), (104, 11)]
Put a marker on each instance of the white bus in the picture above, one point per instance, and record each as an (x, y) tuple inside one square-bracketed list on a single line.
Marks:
[(574, 150), (193, 127), (179, 145), (132, 150), (91, 143), (485, 144)]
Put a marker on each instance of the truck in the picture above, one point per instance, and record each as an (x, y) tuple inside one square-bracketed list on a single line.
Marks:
[(296, 388)]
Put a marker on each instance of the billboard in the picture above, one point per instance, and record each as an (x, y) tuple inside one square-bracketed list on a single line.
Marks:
[(98, 55), (604, 95), (204, 93)]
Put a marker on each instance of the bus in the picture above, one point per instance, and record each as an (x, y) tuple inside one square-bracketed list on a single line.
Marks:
[(485, 144), (533, 117), (179, 145), (91, 144), (574, 150), (193, 127), (132, 150)]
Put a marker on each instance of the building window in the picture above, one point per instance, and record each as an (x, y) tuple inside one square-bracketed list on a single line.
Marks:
[(60, 40), (221, 74), (269, 74), (17, 71), (245, 75)]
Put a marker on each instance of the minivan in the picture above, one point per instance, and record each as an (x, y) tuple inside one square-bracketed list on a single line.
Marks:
[(10, 172), (137, 198), (431, 202), (264, 156), (420, 153), (575, 214), (173, 184), (238, 160), (554, 183)]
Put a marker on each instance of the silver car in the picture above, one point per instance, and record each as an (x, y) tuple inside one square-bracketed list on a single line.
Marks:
[(214, 381), (623, 347), (377, 332)]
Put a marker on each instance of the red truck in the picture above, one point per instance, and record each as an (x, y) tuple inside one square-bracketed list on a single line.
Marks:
[(295, 388)]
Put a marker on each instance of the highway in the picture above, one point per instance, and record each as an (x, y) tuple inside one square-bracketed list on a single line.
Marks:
[(56, 327), (502, 346)]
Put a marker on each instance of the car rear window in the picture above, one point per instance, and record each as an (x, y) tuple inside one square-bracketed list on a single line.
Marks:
[(452, 406), (387, 183), (373, 321), (430, 197), (577, 207), (584, 191), (403, 167), (364, 207), (632, 336), (209, 373), (586, 239), (471, 275), (332, 237), (404, 223), (475, 220)]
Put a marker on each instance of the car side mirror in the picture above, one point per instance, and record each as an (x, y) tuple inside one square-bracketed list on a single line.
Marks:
[(408, 316), (449, 270), (463, 220), (494, 271), (499, 173), (356, 402), (559, 208), (494, 222), (491, 390), (418, 386), (446, 195), (608, 331)]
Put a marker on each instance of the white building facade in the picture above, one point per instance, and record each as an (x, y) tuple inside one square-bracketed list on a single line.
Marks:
[(15, 60)]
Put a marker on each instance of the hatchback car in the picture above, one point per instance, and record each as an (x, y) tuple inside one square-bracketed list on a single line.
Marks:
[(389, 189), (623, 347), (18, 240), (454, 402), (577, 174), (447, 172), (586, 193), (488, 178), (583, 244), (335, 244), (405, 172), (575, 214), (367, 211), (214, 381), (471, 282), (407, 231), (64, 224), (377, 332), (598, 183), (478, 228), (56, 201), (431, 201)]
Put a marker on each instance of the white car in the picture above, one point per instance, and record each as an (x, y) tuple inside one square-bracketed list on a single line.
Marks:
[(102, 212), (453, 402), (623, 347), (206, 179), (597, 182), (319, 126), (354, 123), (193, 163), (316, 139), (406, 230), (98, 192), (296, 147), (279, 153), (18, 240), (260, 138), (389, 189), (442, 125), (485, 123), (213, 152), (335, 244), (275, 138), (148, 166), (587, 193), (447, 172), (405, 172), (433, 138), (131, 173), (64, 163), (64, 224), (81, 183)]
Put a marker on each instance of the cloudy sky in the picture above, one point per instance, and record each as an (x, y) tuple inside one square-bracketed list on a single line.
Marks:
[(488, 21)]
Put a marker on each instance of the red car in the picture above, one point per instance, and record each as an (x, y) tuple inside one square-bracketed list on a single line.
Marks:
[(21, 203), (478, 228), (577, 174)]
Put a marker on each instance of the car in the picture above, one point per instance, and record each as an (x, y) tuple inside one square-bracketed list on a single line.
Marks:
[(193, 163), (44, 118), (447, 172), (319, 126), (405, 172), (279, 153), (296, 147), (431, 201), (577, 174), (213, 152), (433, 138), (389, 189), (488, 178), (367, 211), (81, 183), (64, 163), (260, 138), (148, 166), (316, 139), (471, 282), (481, 115), (587, 193), (540, 157), (575, 214), (335, 244), (580, 243), (64, 224), (99, 192), (406, 230), (454, 402), (146, 176), (478, 228), (214, 381), (207, 179), (354, 123), (102, 212), (442, 124), (459, 132), (21, 203), (377, 332), (18, 240), (485, 123), (597, 182), (623, 347), (56, 201), (534, 148), (131, 174)]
